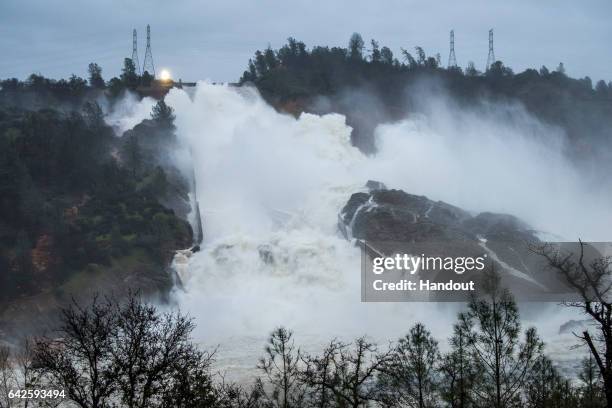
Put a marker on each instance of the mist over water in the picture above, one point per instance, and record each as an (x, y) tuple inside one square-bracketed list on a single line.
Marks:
[(498, 158), (128, 112), (270, 188)]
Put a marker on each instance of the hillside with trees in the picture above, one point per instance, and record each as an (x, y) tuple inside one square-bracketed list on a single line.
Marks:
[(39, 92), (130, 354), (80, 208), (293, 78)]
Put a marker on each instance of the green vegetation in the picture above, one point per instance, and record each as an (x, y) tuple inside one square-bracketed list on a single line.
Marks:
[(293, 77), (74, 198), (38, 92), (78, 204)]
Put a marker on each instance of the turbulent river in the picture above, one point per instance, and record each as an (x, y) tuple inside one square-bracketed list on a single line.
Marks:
[(270, 184)]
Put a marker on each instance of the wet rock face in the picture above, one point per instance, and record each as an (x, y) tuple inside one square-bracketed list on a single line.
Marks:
[(393, 221), (499, 226), (393, 215), (353, 205), (387, 215)]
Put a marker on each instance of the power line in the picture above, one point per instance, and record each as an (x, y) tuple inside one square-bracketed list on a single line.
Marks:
[(135, 51), (452, 60), (148, 61), (491, 58)]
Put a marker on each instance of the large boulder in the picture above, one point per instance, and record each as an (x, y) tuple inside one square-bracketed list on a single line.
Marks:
[(393, 221), (393, 215)]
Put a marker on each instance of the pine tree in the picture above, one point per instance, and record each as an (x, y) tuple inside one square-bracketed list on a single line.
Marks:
[(545, 387), (163, 114), (375, 55), (409, 377), (129, 77), (591, 391), (95, 76), (459, 373), (280, 366), (493, 327), (356, 46)]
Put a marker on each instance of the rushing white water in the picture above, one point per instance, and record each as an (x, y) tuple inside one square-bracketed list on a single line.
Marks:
[(270, 188), (128, 112), (269, 185)]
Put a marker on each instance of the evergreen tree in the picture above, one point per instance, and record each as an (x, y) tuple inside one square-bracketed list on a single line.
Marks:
[(77, 86), (409, 376), (591, 391), (459, 373), (95, 76), (129, 77), (421, 57), (115, 87), (412, 63), (94, 116), (281, 367), (356, 47), (260, 63), (493, 327), (545, 387), (270, 59), (163, 114), (250, 75), (375, 55), (386, 55)]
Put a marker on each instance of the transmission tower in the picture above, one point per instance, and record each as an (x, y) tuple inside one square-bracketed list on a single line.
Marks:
[(452, 60), (491, 57), (135, 52), (148, 60)]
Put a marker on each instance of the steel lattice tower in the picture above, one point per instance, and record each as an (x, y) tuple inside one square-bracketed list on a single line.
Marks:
[(491, 57), (452, 60), (148, 61), (135, 52)]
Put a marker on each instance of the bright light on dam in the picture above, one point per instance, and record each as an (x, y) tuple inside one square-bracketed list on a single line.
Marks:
[(165, 75)]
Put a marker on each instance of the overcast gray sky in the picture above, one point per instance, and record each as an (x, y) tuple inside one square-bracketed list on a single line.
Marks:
[(214, 39)]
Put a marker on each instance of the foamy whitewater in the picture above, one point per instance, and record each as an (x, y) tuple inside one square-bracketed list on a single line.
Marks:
[(129, 112), (268, 183)]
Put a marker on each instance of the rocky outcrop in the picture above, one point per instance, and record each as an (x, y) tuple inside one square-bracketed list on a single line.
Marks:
[(393, 221), (393, 215)]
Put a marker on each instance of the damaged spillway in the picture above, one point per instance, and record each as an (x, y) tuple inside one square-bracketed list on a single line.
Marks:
[(181, 259), (272, 188)]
